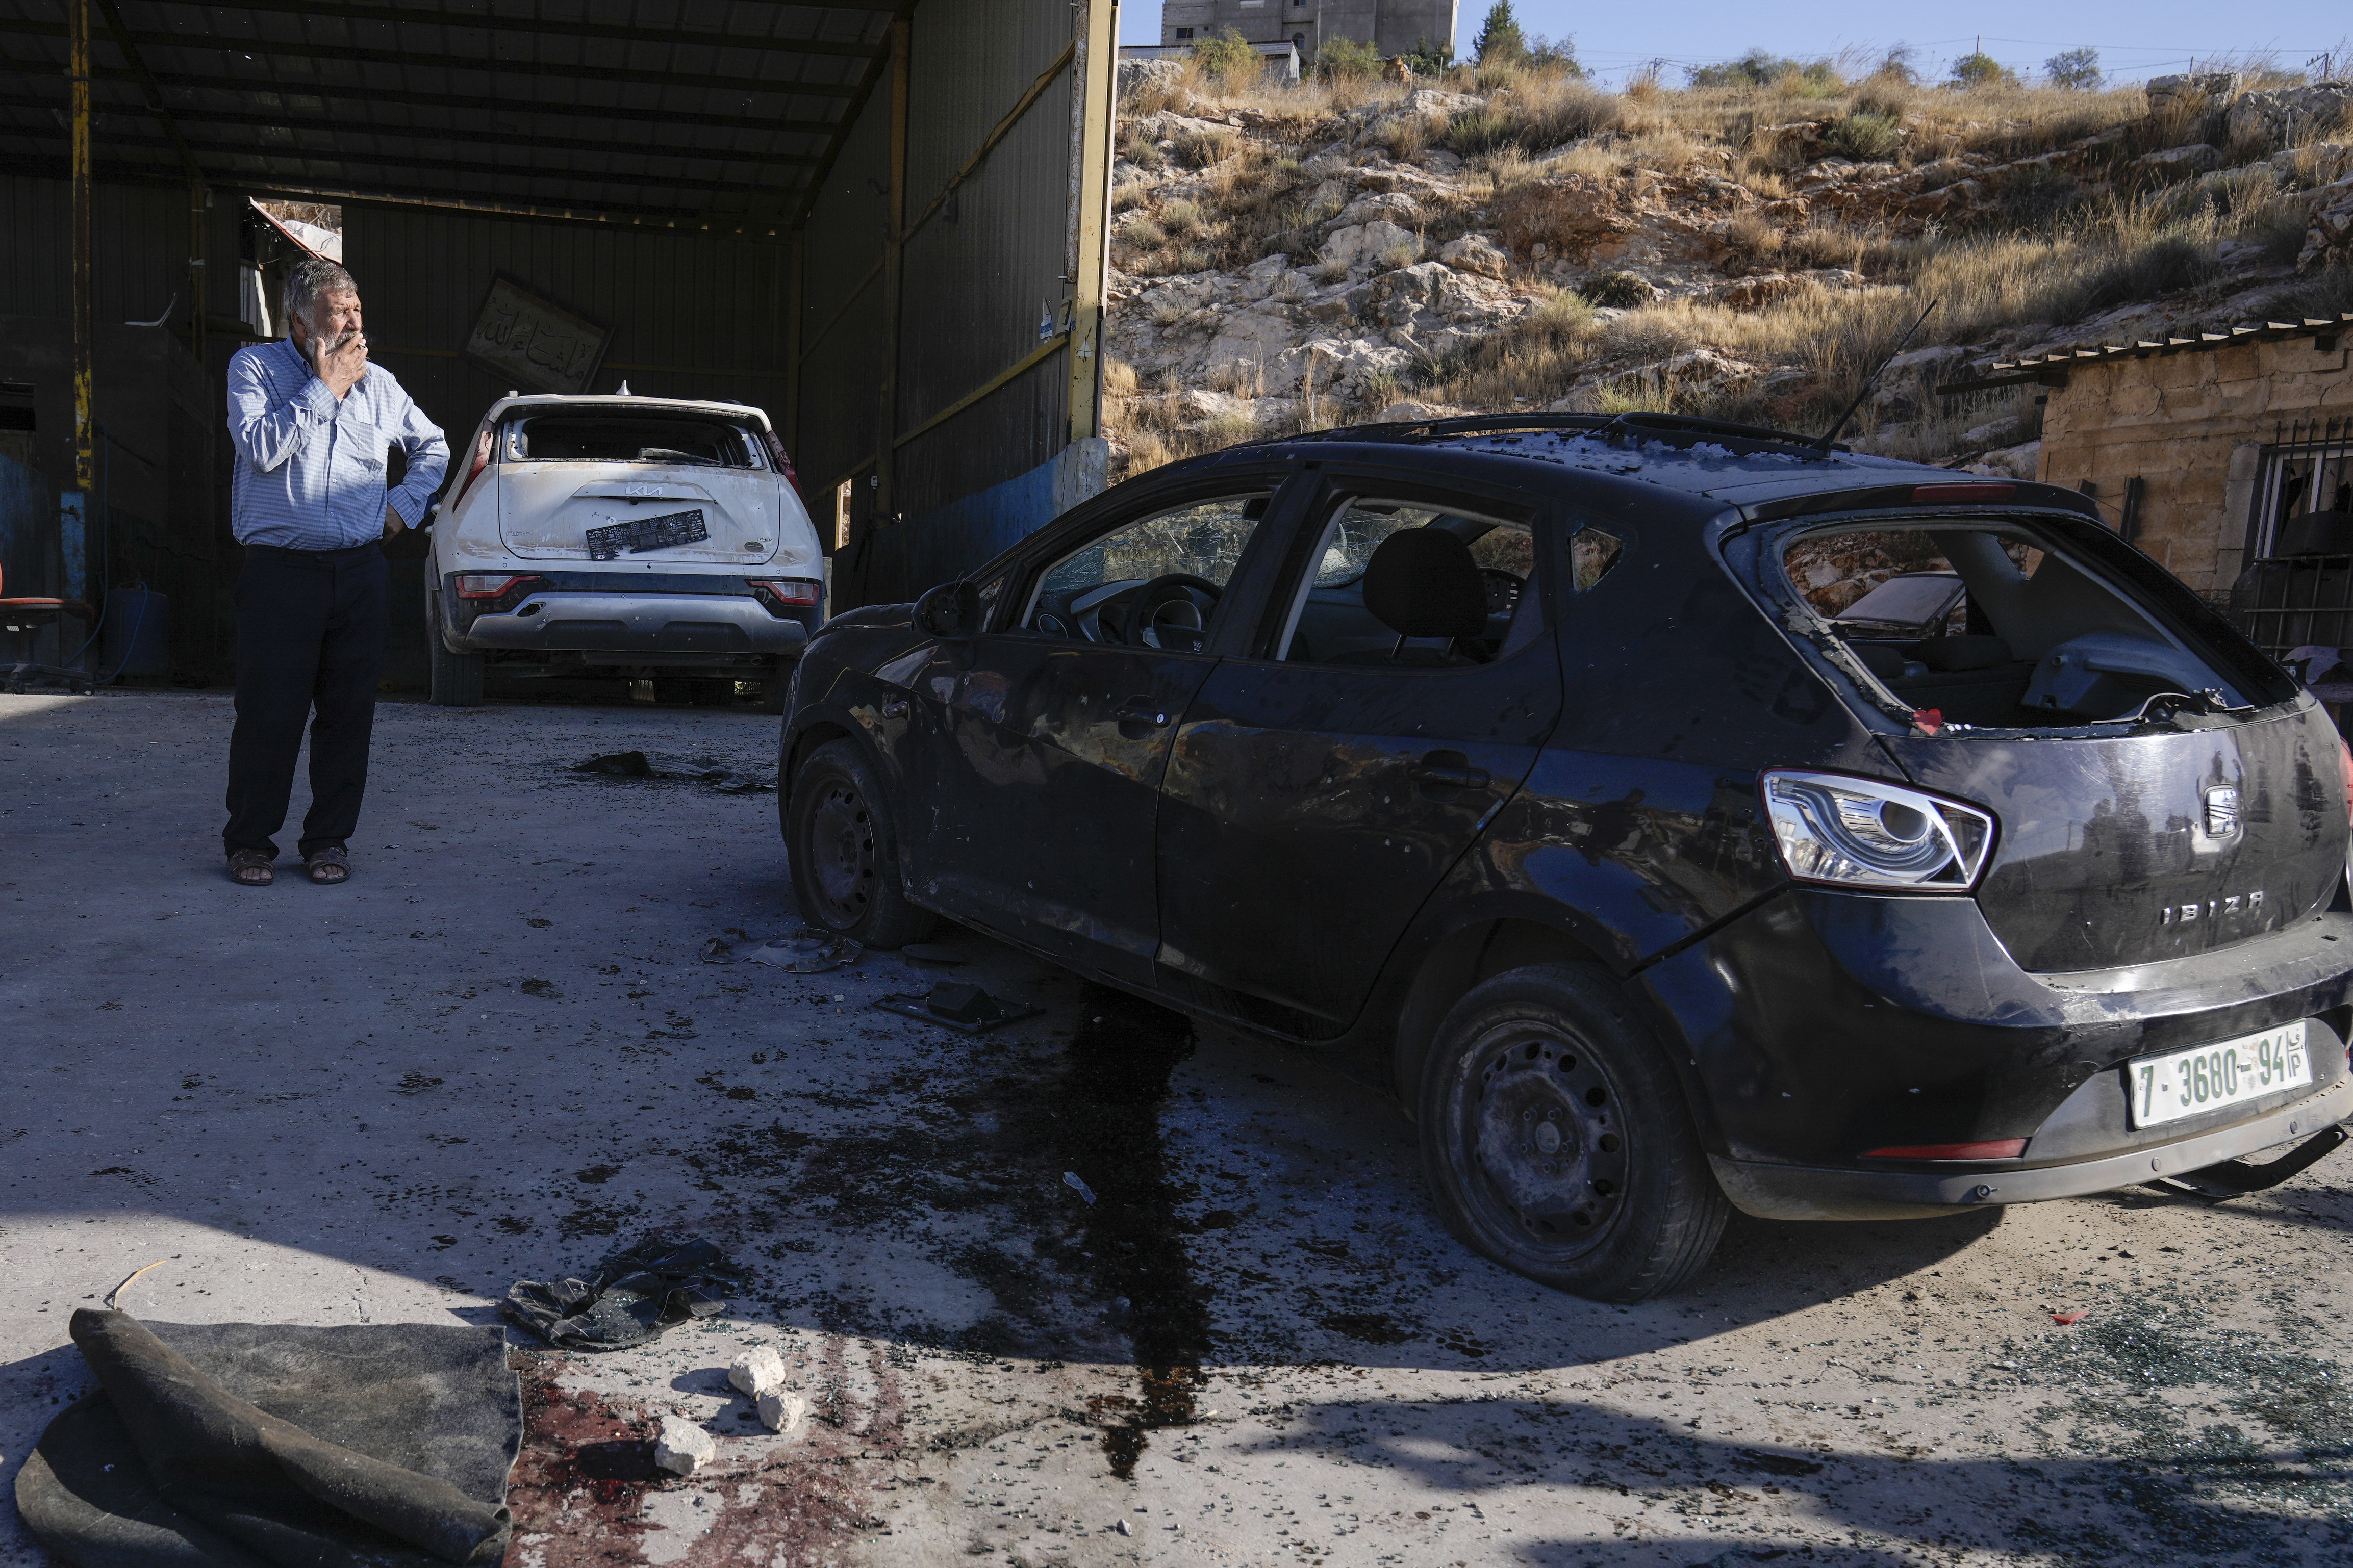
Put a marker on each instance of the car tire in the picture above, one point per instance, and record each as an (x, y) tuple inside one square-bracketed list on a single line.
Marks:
[(674, 691), (845, 861), (1621, 1205), (456, 678), (714, 694), (778, 686)]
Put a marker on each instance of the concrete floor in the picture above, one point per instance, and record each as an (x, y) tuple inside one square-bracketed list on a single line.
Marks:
[(494, 1055)]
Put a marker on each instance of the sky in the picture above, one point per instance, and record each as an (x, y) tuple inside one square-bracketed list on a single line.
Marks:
[(2135, 39)]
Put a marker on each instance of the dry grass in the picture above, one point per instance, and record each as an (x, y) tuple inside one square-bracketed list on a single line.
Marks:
[(2056, 253)]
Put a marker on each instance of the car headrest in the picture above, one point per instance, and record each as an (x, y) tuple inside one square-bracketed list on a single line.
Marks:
[(1421, 582), (1951, 655)]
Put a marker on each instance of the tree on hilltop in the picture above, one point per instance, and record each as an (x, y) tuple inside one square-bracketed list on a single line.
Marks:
[(1500, 38)]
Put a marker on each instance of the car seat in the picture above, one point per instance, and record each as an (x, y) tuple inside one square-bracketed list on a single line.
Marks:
[(1421, 584)]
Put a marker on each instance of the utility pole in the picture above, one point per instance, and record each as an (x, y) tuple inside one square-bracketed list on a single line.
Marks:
[(73, 516)]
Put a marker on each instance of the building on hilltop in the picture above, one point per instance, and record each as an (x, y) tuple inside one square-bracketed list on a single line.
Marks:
[(1393, 26)]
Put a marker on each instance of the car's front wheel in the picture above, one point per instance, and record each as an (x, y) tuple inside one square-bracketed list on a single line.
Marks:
[(1557, 1141), (844, 857), (456, 678)]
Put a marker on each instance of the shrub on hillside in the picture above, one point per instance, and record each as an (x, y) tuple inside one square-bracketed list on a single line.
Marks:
[(1980, 69), (1760, 67), (1346, 60), (1615, 290), (1229, 60), (1864, 137)]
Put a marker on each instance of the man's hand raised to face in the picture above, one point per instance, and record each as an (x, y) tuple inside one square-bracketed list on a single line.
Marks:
[(339, 363)]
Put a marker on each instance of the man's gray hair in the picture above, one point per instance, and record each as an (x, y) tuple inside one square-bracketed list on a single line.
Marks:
[(309, 279)]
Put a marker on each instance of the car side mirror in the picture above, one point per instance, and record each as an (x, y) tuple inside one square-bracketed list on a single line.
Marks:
[(950, 611)]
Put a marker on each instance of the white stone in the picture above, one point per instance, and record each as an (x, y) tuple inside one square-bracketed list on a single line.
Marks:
[(756, 1371), (1396, 207), (1474, 253), (683, 1448), (781, 1412)]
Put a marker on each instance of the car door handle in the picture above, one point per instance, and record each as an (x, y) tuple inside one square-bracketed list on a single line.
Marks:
[(1448, 770), (1142, 710)]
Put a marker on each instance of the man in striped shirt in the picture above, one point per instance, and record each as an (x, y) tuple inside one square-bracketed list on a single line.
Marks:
[(312, 421)]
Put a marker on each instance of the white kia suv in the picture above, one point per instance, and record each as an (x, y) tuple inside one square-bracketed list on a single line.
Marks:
[(623, 538)]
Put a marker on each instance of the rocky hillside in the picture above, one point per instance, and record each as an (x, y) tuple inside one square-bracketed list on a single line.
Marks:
[(1293, 259)]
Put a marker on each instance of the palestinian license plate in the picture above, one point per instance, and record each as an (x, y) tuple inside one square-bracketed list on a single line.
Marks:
[(2189, 1083), (640, 535)]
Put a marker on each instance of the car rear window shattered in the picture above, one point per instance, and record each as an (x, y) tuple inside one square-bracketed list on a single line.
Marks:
[(630, 438), (1987, 624)]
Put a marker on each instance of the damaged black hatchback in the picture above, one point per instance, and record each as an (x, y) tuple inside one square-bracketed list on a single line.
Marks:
[(1529, 766)]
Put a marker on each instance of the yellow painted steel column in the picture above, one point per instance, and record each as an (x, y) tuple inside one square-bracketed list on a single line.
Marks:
[(1095, 74), (73, 520)]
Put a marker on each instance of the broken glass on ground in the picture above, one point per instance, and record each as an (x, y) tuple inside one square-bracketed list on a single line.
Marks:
[(636, 1293), (960, 1006), (809, 950)]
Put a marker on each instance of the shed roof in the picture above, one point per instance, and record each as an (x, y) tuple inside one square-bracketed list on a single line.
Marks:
[(693, 114), (2053, 367)]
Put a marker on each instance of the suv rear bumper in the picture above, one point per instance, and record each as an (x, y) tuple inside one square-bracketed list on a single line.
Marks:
[(636, 623), (1797, 1192)]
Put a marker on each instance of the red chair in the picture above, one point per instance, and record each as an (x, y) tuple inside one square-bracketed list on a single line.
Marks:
[(23, 618)]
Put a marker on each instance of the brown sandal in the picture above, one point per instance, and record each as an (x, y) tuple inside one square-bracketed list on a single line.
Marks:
[(329, 866), (250, 868)]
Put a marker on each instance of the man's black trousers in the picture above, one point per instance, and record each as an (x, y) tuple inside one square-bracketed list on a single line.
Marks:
[(310, 635)]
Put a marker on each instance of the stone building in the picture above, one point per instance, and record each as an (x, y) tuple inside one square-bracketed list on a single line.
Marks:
[(1394, 27), (2200, 449)]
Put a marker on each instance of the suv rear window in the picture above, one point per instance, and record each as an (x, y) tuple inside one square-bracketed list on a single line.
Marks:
[(1987, 622), (631, 439)]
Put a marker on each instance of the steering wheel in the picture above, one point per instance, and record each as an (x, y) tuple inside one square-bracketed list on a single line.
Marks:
[(1144, 629), (1503, 589)]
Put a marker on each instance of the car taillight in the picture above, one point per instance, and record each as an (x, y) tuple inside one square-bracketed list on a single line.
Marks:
[(1861, 833), (2345, 770), (788, 590), (1994, 1149), (490, 585)]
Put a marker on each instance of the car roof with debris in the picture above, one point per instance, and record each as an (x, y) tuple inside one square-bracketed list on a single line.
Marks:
[(1708, 460)]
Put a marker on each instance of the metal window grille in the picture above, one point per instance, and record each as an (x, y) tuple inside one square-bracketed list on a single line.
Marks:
[(2285, 601)]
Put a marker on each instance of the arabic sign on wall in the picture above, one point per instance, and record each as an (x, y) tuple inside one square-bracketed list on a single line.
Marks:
[(533, 341)]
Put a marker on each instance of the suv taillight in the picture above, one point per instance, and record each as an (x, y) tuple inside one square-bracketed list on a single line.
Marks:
[(794, 593), (490, 585)]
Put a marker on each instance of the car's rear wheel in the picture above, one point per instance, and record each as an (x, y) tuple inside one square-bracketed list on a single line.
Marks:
[(1558, 1141), (844, 857), (778, 685), (456, 678), (674, 691), (714, 693)]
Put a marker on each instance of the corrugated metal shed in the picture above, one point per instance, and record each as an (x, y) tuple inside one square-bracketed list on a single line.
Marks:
[(855, 214)]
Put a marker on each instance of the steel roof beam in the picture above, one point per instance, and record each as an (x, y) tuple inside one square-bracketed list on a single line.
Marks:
[(326, 127), (506, 106), (451, 165), (664, 220), (395, 15), (546, 69)]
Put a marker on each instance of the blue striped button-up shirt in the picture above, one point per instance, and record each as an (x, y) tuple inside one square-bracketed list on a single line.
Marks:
[(309, 466)]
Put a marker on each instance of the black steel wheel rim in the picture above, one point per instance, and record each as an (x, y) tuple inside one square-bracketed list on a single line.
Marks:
[(1543, 1149), (842, 856)]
